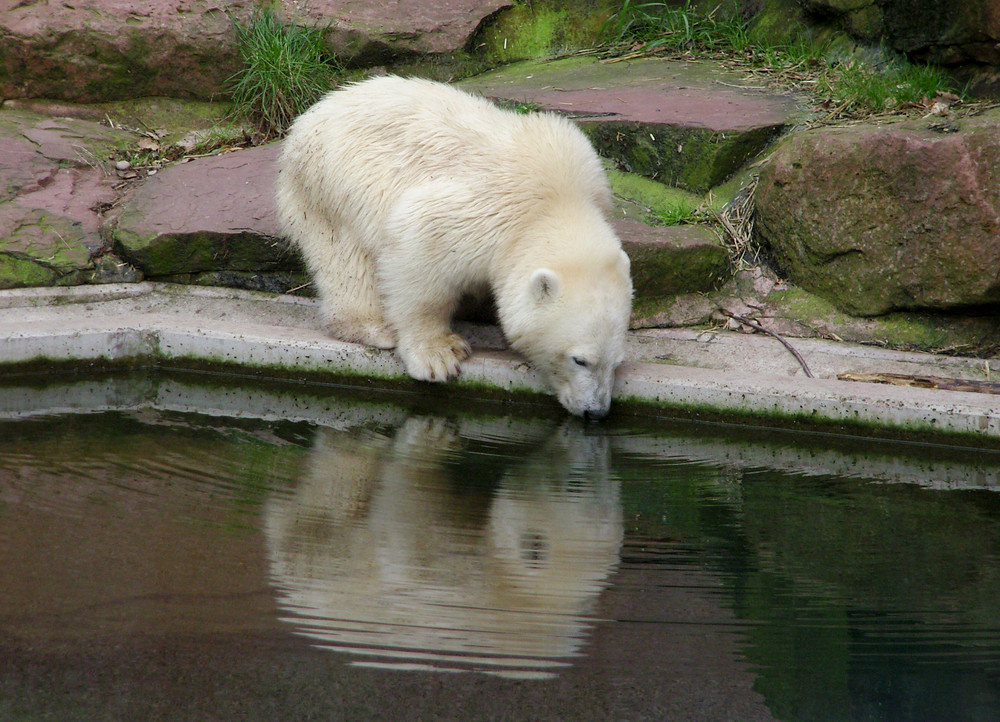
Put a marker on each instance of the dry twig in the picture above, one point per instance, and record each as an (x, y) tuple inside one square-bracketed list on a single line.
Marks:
[(754, 325)]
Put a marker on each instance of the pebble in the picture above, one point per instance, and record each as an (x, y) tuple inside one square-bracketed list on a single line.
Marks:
[(123, 165)]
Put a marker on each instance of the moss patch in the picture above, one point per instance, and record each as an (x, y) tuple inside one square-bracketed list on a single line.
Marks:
[(659, 200), (539, 29), (19, 272), (123, 71), (163, 254), (169, 117), (693, 159), (975, 333), (692, 263)]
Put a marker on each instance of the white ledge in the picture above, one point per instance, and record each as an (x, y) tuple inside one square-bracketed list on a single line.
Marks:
[(727, 373)]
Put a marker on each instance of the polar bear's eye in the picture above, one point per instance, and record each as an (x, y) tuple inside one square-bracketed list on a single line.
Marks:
[(579, 361)]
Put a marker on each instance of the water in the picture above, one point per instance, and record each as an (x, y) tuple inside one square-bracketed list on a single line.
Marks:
[(347, 557)]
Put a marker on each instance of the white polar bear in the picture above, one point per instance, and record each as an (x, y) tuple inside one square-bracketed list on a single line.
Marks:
[(404, 195)]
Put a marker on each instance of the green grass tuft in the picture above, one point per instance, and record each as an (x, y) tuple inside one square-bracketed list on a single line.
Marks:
[(286, 68), (659, 25), (862, 88)]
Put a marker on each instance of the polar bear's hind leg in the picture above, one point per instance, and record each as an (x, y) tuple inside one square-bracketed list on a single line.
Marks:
[(349, 300)]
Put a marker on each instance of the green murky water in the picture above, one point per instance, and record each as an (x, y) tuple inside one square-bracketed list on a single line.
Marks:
[(284, 556)]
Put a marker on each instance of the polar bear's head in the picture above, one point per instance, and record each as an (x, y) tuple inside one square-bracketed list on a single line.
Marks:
[(570, 321)]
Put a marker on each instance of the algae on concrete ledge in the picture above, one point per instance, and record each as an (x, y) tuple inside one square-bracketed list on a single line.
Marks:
[(968, 334)]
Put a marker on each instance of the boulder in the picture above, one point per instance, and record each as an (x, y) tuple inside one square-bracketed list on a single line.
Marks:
[(946, 33), (964, 37), (672, 268), (210, 215), (363, 32), (877, 218), (113, 49)]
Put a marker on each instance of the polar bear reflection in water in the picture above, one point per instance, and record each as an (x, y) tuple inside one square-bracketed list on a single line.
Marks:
[(396, 550)]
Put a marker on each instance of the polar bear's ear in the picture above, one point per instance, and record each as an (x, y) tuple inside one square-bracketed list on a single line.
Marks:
[(544, 284)]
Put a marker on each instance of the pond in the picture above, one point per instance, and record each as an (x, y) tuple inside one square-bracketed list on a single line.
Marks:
[(290, 554)]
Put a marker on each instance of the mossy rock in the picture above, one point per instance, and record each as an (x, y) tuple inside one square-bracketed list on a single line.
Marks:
[(539, 29), (653, 202), (159, 254), (17, 271), (973, 333), (41, 249), (690, 158), (667, 262)]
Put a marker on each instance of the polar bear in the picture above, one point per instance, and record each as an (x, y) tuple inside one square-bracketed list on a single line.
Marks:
[(404, 195)]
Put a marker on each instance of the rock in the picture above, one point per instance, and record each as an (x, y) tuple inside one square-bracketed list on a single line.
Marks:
[(113, 49), (686, 309), (683, 124), (211, 214), (797, 313), (881, 218), (543, 29), (365, 33), (52, 184), (963, 37), (670, 261)]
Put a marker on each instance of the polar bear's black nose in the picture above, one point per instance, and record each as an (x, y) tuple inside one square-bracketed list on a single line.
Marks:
[(595, 414)]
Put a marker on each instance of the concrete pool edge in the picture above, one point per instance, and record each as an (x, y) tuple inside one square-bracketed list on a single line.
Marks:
[(726, 373)]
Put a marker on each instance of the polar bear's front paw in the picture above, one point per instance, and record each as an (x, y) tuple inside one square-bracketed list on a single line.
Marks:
[(438, 361)]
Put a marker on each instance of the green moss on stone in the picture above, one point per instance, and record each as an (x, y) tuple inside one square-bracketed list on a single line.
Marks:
[(779, 22), (162, 254), (125, 72), (668, 270), (176, 117), (539, 29), (660, 199), (693, 159), (933, 332), (19, 272)]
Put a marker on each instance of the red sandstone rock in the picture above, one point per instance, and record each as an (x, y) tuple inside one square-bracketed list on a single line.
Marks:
[(112, 49), (212, 214), (882, 218), (51, 181)]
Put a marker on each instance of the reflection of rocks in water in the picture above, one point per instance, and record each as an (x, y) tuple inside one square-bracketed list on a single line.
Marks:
[(449, 547)]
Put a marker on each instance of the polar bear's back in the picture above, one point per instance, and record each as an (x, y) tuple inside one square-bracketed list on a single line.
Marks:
[(354, 153)]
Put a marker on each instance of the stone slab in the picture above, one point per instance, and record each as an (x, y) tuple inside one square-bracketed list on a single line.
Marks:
[(700, 94), (53, 182), (114, 49), (212, 214), (895, 216), (372, 31), (689, 124)]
